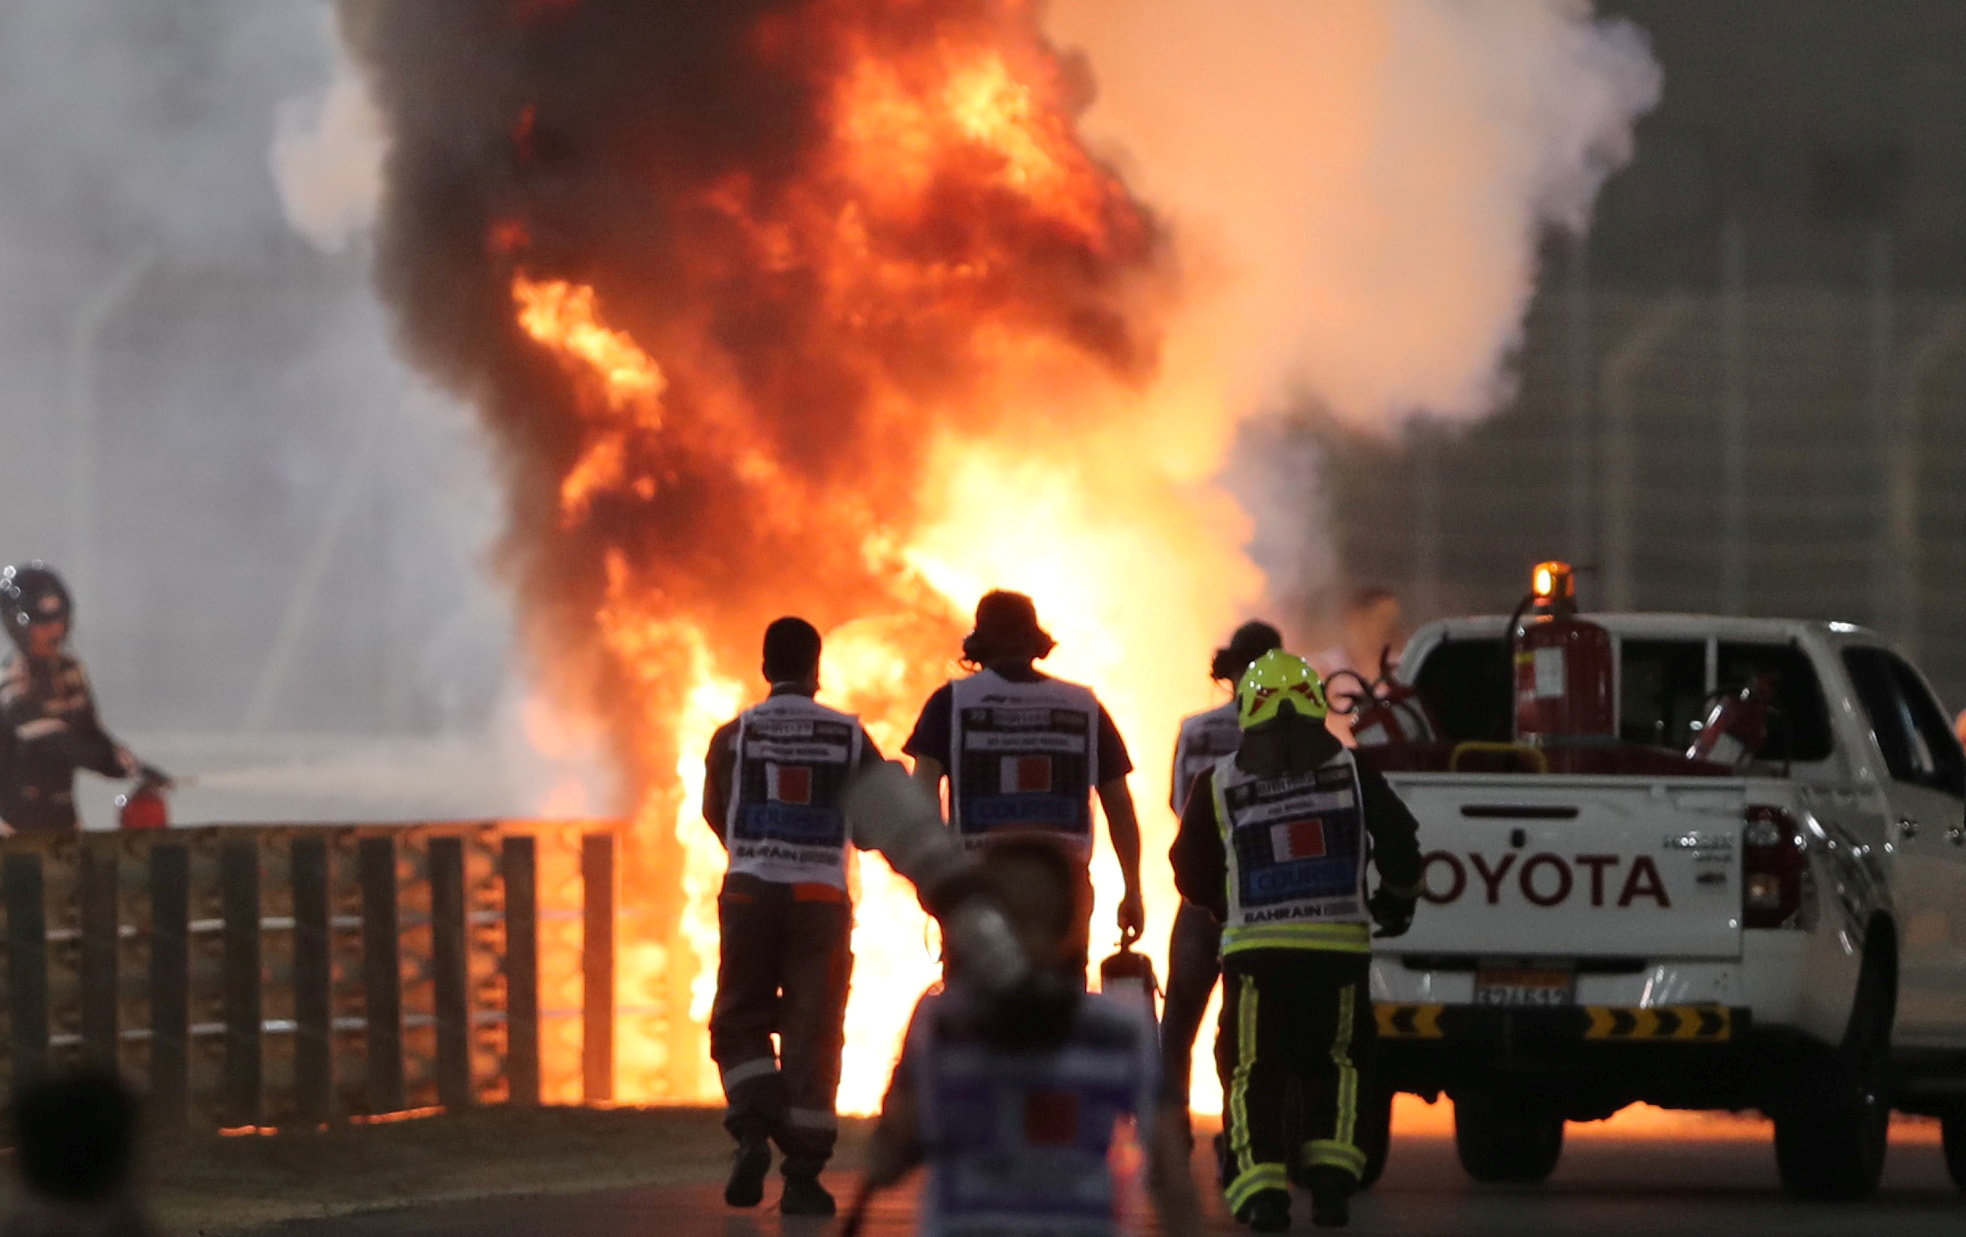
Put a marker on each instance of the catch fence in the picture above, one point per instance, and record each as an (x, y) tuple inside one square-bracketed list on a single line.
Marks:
[(305, 975)]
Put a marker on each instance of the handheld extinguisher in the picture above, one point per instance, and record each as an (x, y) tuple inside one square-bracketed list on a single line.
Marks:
[(1736, 727), (1130, 977), (1389, 711), (145, 805)]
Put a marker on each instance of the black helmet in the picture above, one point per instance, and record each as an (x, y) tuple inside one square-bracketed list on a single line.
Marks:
[(32, 594)]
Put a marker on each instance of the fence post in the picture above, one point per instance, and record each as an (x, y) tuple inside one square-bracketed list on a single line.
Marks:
[(313, 982), (450, 965), (170, 982), (597, 966), (519, 869), (25, 890), (382, 973), (100, 947), (239, 896)]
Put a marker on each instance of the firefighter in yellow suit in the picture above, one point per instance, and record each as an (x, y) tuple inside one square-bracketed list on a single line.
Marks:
[(1274, 842)]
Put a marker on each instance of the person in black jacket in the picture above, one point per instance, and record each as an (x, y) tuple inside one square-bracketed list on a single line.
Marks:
[(47, 709)]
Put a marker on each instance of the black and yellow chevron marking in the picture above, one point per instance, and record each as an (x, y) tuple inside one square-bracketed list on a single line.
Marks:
[(1409, 1021), (1687, 1024), (1710, 1023)]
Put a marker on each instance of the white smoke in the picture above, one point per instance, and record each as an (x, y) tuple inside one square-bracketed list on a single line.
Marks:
[(260, 585), (1358, 190), (1359, 186), (328, 151)]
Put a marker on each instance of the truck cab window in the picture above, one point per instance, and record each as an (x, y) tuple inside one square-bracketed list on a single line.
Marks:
[(1798, 725), (1662, 690), (1935, 743), (1911, 730)]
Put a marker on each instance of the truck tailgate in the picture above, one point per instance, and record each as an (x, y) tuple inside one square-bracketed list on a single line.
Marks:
[(1576, 867)]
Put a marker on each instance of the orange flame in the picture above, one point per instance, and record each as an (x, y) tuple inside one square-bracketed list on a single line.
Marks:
[(1032, 459)]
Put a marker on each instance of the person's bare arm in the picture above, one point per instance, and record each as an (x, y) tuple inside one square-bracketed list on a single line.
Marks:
[(1172, 1185), (718, 770), (1123, 827)]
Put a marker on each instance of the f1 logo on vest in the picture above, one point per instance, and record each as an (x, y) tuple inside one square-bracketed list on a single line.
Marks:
[(1025, 775), (1544, 880), (788, 783), (1297, 839)]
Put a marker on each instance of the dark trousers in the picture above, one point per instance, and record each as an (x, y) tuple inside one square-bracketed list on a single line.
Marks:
[(1194, 963), (785, 967), (1296, 1026), (38, 809)]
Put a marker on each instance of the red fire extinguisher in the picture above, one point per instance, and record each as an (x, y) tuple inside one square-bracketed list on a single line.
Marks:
[(144, 805), (1736, 727), (1563, 664), (1130, 977), (1387, 711)]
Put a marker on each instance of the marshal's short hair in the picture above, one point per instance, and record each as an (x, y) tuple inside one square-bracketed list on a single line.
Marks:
[(791, 650)]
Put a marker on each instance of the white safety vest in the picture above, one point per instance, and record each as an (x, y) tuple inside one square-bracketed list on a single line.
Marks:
[(1019, 1144), (1025, 757), (1205, 738), (784, 822), (1296, 849)]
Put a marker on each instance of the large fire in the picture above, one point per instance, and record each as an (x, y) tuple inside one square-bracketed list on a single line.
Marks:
[(985, 287), (824, 307)]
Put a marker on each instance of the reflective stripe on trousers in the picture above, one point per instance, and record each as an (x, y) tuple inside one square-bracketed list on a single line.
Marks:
[(1295, 1025)]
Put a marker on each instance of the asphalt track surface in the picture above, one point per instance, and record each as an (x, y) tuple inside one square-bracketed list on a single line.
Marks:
[(1668, 1180)]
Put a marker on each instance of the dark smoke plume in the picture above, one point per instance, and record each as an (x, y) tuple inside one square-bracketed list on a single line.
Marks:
[(814, 323)]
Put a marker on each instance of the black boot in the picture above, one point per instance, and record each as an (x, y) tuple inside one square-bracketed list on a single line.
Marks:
[(746, 1187), (1331, 1196), (1267, 1211), (804, 1196)]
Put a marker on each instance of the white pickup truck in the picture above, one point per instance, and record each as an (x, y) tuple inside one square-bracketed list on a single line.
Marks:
[(1788, 935)]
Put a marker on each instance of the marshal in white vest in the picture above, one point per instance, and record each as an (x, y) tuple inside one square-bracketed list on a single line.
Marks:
[(1025, 759), (785, 823)]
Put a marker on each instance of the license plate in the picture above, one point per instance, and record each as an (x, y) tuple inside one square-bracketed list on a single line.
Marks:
[(1523, 986)]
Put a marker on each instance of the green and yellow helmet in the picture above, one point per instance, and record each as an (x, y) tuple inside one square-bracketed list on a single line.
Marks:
[(1272, 679)]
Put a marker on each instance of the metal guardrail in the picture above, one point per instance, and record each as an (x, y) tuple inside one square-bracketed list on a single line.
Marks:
[(310, 974)]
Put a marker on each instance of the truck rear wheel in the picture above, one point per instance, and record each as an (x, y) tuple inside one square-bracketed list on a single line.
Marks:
[(1953, 1137), (1502, 1141), (1830, 1143)]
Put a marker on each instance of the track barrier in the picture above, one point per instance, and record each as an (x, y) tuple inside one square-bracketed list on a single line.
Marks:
[(306, 975)]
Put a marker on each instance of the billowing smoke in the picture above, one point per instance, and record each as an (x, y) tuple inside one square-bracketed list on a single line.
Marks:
[(272, 528), (826, 260), (327, 160), (1359, 189), (1360, 186)]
